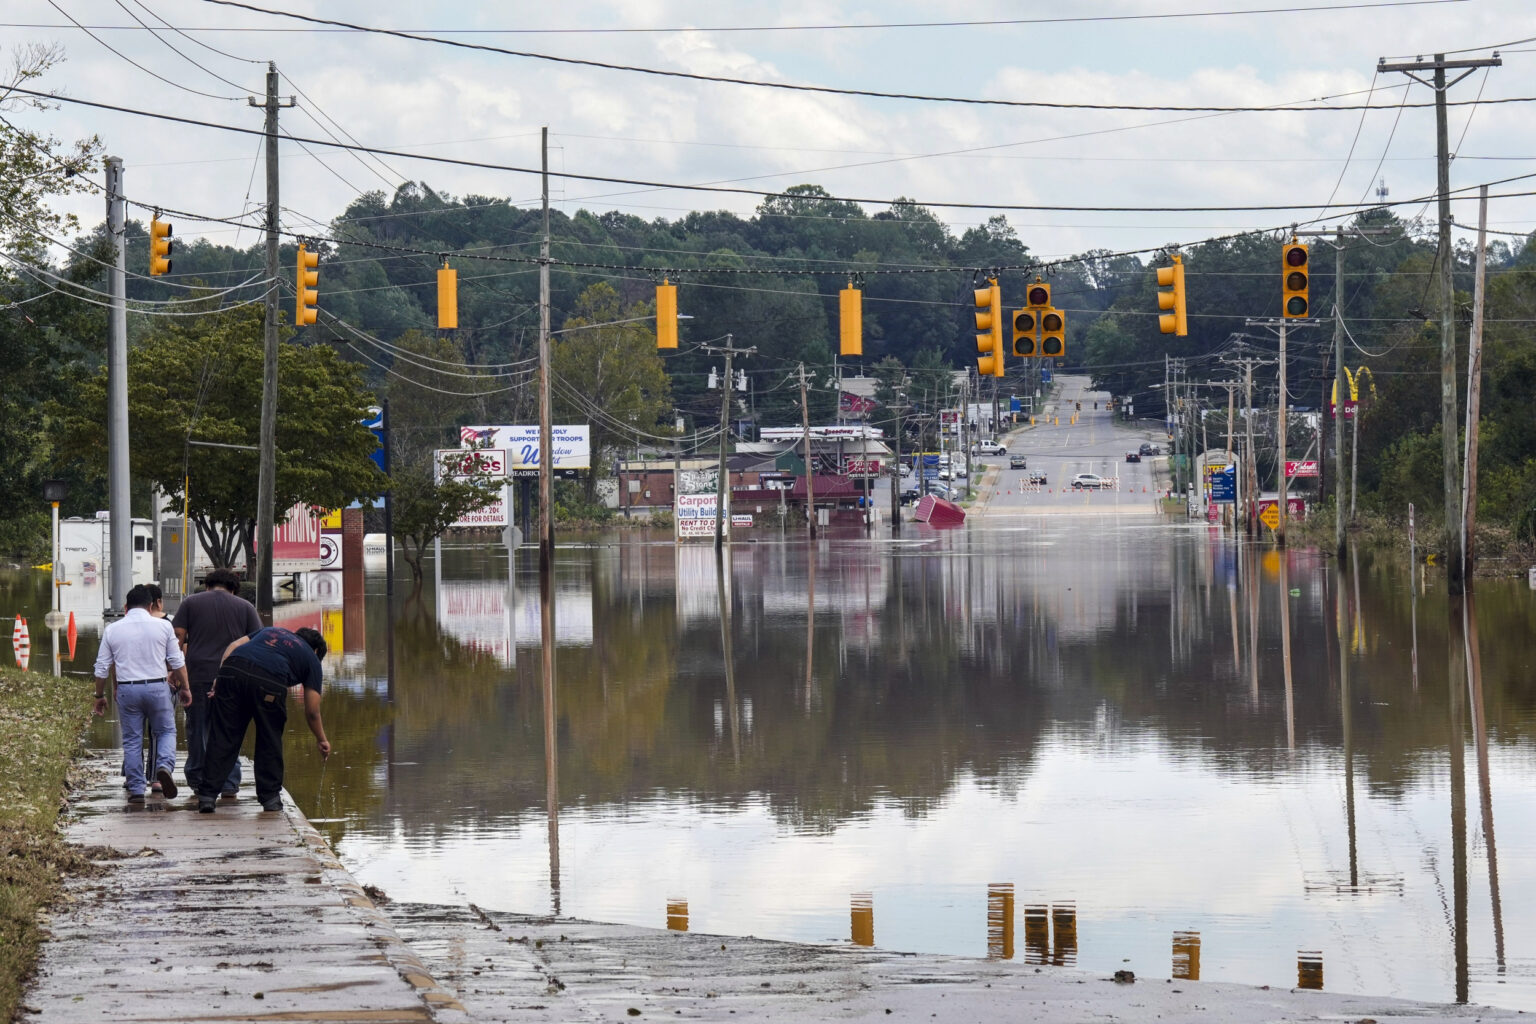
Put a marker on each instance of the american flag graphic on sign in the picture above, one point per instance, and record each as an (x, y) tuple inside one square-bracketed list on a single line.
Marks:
[(475, 435)]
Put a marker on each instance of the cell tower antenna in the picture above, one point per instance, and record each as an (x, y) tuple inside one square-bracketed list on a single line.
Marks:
[(1381, 190)]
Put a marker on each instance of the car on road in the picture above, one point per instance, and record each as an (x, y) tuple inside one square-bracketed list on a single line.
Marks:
[(1016, 462), (1035, 477), (1090, 481), (988, 448), (1149, 449), (1133, 456)]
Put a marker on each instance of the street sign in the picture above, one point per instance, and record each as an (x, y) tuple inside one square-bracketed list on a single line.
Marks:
[(1212, 512), (1270, 516), (1306, 468), (1224, 486)]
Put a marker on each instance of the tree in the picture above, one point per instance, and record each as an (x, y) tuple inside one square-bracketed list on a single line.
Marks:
[(425, 505), (608, 374), (199, 379)]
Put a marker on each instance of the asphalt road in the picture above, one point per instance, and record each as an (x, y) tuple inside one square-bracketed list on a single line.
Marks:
[(1096, 443)]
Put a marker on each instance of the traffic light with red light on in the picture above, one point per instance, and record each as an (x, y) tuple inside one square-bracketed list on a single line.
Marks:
[(666, 315), (1177, 321), (989, 319), (304, 310), (1297, 274), (159, 247), (850, 308), (1038, 295), (1026, 329), (1053, 333)]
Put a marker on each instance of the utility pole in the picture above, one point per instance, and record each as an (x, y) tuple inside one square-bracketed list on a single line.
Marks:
[(722, 481), (1250, 469), (1284, 504), (546, 426), (810, 487), (1448, 424), (120, 540), (266, 474), (1474, 396), (1340, 380)]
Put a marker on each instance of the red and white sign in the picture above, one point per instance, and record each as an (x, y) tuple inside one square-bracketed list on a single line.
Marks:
[(863, 467), (1296, 506), (477, 462), (1212, 512), (297, 537), (1306, 468), (1350, 409), (850, 404)]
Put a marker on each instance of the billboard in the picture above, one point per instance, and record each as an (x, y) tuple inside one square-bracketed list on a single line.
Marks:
[(695, 516), (296, 541), (480, 464), (572, 445)]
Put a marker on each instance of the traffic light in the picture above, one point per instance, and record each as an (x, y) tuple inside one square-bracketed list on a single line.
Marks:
[(1038, 295), (1053, 330), (1026, 325), (159, 247), (1176, 322), (989, 318), (666, 315), (304, 311), (1297, 275), (850, 307), (447, 298)]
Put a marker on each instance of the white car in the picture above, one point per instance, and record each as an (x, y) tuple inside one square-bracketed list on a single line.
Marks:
[(1090, 481), (988, 448)]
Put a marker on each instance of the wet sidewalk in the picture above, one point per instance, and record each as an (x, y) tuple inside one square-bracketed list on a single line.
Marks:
[(235, 916)]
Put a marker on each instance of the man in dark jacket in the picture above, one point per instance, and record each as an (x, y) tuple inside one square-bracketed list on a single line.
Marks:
[(252, 687), (206, 623)]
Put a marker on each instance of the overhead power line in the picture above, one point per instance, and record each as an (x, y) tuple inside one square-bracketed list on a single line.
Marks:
[(758, 83), (130, 60), (735, 190)]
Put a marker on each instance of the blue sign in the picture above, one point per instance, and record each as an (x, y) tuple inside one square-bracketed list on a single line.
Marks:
[(376, 424), (1014, 404), (1045, 375), (1224, 486)]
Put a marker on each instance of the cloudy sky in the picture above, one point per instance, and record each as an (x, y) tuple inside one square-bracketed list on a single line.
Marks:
[(432, 99)]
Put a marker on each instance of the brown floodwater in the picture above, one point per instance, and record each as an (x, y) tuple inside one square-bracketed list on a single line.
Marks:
[(1090, 742)]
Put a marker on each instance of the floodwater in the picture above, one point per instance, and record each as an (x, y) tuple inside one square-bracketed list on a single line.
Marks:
[(1083, 742)]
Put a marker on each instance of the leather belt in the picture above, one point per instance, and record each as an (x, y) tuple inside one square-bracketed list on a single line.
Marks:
[(138, 682)]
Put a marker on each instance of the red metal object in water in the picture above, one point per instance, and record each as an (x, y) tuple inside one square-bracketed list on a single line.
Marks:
[(937, 511)]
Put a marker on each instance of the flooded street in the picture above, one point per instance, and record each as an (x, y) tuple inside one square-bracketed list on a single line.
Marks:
[(1113, 743)]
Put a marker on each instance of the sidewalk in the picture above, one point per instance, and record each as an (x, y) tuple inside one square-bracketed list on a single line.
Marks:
[(235, 916)]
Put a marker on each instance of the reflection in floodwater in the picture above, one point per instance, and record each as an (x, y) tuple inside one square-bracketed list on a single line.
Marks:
[(1000, 921), (677, 915), (905, 718), (1186, 956), (1309, 969), (1064, 922), (861, 914)]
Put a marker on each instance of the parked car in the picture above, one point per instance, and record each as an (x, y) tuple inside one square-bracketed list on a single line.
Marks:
[(988, 448), (1016, 462), (1133, 456), (1090, 481), (939, 490), (1149, 449)]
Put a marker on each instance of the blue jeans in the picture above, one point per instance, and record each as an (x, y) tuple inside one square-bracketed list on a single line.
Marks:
[(138, 706), (197, 741)]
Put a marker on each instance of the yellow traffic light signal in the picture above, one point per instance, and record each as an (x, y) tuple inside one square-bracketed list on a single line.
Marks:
[(666, 315), (1176, 322), (447, 298), (1038, 295), (304, 311), (850, 308), (989, 318), (1026, 326), (1053, 334), (1297, 275), (159, 247)]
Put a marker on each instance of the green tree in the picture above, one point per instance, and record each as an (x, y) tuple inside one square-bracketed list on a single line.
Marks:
[(199, 379), (425, 505), (608, 374)]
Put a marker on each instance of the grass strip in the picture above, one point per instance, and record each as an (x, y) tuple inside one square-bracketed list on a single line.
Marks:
[(41, 721)]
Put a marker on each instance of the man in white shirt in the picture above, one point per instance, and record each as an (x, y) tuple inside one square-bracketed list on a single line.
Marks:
[(138, 648)]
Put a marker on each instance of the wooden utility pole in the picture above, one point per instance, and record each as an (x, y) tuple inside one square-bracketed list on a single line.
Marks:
[(1284, 505), (722, 481), (1443, 257), (1474, 397), (546, 427), (810, 487), (266, 473), (1340, 397)]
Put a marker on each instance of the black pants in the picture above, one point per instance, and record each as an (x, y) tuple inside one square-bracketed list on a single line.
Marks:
[(244, 695)]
